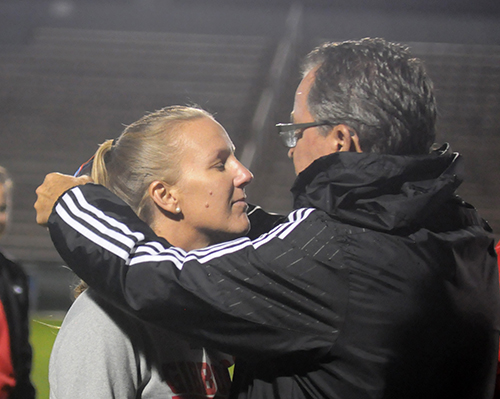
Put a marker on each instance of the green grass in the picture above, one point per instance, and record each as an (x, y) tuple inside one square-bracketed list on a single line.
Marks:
[(43, 333)]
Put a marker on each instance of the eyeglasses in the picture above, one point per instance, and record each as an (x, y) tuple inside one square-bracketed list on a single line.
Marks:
[(290, 133)]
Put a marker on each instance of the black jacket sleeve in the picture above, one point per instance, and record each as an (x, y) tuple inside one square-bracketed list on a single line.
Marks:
[(236, 296), (262, 222)]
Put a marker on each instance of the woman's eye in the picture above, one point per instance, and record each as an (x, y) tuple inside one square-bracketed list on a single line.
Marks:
[(220, 166)]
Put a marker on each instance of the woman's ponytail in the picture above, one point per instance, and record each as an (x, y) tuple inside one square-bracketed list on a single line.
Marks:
[(99, 170)]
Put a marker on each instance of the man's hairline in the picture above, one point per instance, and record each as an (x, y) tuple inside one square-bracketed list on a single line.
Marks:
[(307, 68)]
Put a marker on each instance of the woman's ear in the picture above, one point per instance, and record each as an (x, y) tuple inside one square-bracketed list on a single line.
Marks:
[(344, 139), (164, 196)]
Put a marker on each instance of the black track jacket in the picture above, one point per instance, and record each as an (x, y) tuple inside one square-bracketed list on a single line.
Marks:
[(381, 284)]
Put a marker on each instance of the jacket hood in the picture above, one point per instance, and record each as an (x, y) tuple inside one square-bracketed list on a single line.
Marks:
[(379, 191)]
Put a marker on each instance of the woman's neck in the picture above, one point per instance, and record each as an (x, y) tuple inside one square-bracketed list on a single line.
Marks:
[(177, 234)]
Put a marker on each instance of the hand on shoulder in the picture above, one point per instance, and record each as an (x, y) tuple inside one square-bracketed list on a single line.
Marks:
[(53, 186)]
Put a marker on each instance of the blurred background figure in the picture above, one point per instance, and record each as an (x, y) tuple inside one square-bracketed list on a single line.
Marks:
[(15, 349)]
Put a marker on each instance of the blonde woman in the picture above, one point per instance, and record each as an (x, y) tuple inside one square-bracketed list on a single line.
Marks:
[(177, 170)]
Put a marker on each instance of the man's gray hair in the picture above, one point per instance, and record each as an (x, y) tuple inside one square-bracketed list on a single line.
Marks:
[(379, 89)]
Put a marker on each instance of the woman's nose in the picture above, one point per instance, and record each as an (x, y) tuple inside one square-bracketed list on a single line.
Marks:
[(244, 176)]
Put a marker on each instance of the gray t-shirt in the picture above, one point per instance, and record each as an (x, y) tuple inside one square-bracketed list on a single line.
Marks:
[(101, 352)]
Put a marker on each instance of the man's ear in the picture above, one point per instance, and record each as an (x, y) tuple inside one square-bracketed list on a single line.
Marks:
[(344, 139), (164, 196)]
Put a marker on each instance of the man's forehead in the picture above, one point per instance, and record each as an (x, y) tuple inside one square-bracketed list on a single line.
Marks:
[(305, 84)]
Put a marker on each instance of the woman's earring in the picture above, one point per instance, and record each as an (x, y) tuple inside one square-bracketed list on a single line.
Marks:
[(177, 210)]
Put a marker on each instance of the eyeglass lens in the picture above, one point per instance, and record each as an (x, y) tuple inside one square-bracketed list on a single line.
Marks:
[(290, 137)]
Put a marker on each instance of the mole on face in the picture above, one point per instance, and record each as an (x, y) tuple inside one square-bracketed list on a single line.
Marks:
[(207, 205)]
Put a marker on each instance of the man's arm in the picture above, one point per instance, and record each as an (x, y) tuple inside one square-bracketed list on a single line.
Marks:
[(234, 296), (261, 221), (53, 186)]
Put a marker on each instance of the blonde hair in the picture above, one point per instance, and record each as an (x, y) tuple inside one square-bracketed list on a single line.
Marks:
[(147, 150), (7, 183), (6, 180)]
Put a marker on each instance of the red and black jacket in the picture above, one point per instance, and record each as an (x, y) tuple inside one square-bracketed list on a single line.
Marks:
[(14, 295)]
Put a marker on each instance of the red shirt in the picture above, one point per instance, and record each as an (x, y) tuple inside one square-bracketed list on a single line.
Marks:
[(7, 379)]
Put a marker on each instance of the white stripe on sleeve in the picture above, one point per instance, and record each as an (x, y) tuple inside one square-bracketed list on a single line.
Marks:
[(100, 214), (114, 249), (97, 224), (204, 255)]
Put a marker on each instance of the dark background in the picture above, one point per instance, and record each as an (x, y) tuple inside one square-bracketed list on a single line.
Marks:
[(73, 73)]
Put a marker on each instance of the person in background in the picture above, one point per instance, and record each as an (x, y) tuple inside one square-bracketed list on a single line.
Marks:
[(382, 283), (176, 169), (15, 349), (497, 385)]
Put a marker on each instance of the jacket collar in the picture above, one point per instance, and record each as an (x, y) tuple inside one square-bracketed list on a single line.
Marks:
[(379, 191)]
